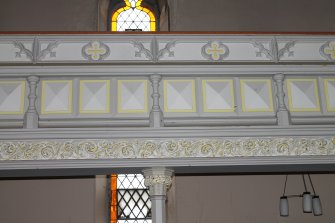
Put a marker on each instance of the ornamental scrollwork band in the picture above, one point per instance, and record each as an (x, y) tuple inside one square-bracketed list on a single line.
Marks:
[(165, 148)]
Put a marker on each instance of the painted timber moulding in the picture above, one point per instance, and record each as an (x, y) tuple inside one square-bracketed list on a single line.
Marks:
[(166, 148), (157, 48)]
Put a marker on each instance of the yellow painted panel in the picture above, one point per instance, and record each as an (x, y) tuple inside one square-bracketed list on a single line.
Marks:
[(204, 96), (289, 91), (23, 92), (145, 95), (69, 111), (268, 84), (166, 109), (329, 108), (107, 110)]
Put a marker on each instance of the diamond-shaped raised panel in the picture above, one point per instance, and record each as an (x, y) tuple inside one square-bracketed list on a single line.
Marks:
[(94, 96), (330, 94), (12, 97), (132, 96), (179, 96), (218, 95), (256, 95), (56, 97), (303, 95)]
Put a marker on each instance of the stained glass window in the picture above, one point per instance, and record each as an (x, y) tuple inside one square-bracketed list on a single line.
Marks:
[(130, 200), (133, 16)]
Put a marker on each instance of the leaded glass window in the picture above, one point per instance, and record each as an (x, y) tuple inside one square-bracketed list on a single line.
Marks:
[(133, 16), (130, 200)]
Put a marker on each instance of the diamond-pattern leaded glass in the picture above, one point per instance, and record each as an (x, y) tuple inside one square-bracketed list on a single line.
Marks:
[(130, 181), (133, 200), (133, 17)]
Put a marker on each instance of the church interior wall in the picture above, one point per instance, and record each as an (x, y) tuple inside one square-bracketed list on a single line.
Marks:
[(48, 15), (184, 15), (47, 200), (192, 199), (230, 198)]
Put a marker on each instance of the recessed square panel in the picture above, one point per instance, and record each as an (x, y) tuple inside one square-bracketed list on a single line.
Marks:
[(12, 97), (132, 96), (179, 96), (94, 96), (303, 95), (330, 94), (56, 97), (218, 95), (256, 95)]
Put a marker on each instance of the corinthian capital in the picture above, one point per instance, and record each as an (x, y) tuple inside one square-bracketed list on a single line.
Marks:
[(158, 179)]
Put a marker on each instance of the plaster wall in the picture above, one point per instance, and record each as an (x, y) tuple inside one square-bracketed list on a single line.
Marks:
[(47, 200), (246, 199), (191, 199), (48, 15), (185, 15), (256, 15)]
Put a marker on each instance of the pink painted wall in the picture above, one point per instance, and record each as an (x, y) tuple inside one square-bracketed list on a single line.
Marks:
[(47, 201), (246, 199)]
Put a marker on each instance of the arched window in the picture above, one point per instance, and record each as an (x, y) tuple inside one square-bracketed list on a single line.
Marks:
[(132, 16)]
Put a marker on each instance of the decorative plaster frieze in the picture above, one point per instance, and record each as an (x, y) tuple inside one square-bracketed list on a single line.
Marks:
[(215, 51), (141, 49), (36, 53), (167, 50), (95, 51), (154, 53), (327, 50), (274, 53), (165, 148)]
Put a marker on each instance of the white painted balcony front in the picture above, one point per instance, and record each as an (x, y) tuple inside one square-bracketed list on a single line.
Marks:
[(86, 104)]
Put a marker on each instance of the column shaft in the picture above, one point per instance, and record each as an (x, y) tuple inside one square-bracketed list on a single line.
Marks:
[(283, 115), (158, 180), (31, 115), (156, 114)]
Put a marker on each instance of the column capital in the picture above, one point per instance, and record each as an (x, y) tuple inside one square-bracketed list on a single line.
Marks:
[(158, 179), (155, 77), (279, 77), (33, 78)]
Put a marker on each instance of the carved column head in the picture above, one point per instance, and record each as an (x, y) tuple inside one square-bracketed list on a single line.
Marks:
[(158, 179)]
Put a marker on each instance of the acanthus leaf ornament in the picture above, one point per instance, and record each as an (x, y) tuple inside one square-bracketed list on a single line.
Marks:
[(154, 53), (35, 54), (158, 179), (165, 148), (274, 53)]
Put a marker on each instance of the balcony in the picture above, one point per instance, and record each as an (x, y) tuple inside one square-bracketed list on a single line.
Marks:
[(194, 102)]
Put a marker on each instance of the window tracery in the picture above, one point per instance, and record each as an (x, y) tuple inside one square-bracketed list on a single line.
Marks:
[(133, 16)]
